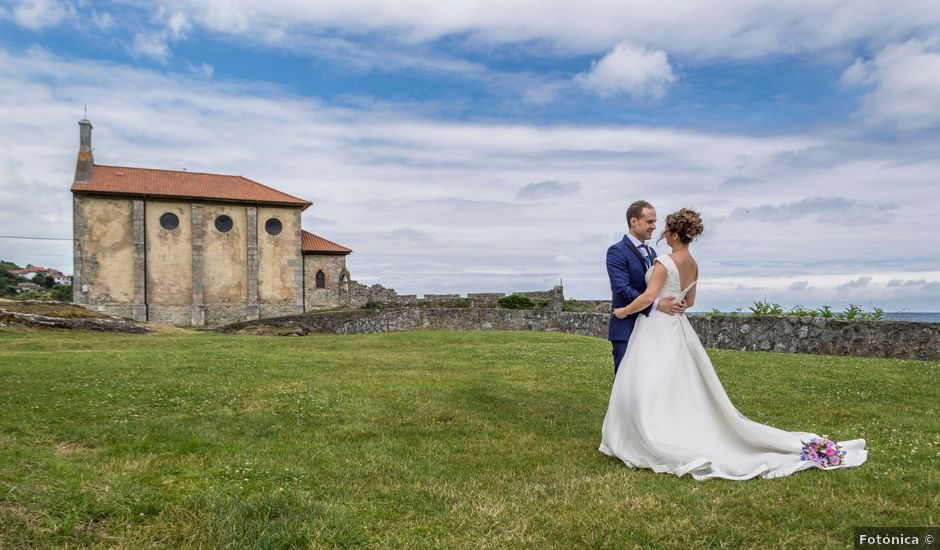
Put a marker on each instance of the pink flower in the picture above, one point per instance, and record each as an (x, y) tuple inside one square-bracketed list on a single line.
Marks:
[(812, 456), (830, 451), (814, 447)]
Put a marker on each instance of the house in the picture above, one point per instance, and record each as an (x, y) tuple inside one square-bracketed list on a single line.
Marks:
[(31, 271), (20, 288), (191, 248), (27, 272)]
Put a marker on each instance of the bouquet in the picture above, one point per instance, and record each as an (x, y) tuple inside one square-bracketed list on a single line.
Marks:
[(823, 451)]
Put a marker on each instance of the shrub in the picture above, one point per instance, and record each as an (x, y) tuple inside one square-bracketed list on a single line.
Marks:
[(764, 308), (515, 301), (62, 293), (578, 307), (800, 311), (461, 302), (877, 314), (851, 312)]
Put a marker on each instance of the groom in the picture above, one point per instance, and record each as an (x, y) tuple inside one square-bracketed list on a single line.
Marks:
[(627, 263)]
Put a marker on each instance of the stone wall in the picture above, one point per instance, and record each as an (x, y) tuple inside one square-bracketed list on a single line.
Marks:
[(777, 334), (898, 339), (332, 294), (360, 295), (424, 318)]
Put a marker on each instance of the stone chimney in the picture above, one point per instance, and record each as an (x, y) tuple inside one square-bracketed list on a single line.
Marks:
[(86, 162)]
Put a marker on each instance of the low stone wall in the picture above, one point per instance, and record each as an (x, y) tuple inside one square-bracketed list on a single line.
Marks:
[(778, 334), (899, 339), (424, 318), (360, 295)]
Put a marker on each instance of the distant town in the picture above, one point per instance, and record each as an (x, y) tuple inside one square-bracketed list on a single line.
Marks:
[(34, 282)]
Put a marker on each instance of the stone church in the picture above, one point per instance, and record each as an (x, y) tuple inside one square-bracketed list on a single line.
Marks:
[(189, 248)]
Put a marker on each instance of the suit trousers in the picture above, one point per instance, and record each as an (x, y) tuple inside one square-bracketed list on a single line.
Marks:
[(618, 348)]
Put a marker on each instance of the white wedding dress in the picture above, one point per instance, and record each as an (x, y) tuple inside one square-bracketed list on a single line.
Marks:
[(669, 412)]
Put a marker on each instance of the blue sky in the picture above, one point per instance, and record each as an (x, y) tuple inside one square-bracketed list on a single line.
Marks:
[(485, 146)]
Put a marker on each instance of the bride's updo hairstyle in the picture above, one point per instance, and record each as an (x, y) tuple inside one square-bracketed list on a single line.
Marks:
[(685, 224)]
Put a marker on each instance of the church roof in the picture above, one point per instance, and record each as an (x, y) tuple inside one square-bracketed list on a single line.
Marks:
[(149, 182), (314, 244)]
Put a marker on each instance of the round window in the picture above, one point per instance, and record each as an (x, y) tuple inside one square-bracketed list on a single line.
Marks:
[(273, 226), (223, 223), (169, 221)]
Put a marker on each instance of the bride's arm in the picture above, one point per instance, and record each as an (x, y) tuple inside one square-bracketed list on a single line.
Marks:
[(643, 301)]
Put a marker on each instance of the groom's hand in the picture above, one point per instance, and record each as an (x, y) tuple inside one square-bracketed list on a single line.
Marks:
[(669, 306)]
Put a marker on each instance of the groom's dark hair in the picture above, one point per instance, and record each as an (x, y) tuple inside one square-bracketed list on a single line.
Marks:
[(635, 210)]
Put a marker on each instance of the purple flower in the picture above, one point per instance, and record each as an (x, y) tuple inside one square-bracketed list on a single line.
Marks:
[(835, 460), (813, 456)]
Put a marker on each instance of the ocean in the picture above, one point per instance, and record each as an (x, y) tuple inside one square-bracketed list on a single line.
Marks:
[(915, 316)]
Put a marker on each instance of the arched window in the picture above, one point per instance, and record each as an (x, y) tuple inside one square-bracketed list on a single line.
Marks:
[(321, 280)]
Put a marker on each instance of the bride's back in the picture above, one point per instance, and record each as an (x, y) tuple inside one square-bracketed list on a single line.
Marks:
[(687, 268)]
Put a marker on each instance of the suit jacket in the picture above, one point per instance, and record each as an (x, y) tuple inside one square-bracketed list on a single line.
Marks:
[(627, 274)]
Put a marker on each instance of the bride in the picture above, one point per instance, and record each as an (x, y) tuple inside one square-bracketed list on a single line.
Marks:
[(669, 412)]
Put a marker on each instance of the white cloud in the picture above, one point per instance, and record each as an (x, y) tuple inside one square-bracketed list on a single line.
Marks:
[(203, 69), (152, 45), (837, 210), (704, 30), (178, 25), (902, 83), (799, 286), (102, 21), (855, 283), (632, 70), (389, 181), (549, 189), (41, 14), (400, 34)]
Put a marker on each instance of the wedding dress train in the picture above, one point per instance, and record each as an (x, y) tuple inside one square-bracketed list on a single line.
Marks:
[(669, 412)]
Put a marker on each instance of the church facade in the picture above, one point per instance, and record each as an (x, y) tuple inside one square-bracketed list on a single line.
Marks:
[(189, 248)]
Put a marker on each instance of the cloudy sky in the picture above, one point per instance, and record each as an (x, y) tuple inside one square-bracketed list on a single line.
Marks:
[(494, 146)]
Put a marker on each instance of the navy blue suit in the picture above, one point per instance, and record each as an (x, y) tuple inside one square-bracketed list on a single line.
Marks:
[(627, 273)]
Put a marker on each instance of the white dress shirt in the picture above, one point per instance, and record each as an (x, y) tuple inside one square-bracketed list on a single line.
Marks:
[(637, 242)]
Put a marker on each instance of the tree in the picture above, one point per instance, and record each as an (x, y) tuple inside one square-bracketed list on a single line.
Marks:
[(7, 279), (62, 293)]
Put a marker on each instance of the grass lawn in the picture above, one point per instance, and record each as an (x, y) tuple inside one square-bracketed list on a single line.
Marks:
[(467, 439)]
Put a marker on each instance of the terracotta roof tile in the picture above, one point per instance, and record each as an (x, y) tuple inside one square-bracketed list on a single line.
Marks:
[(314, 244), (171, 183)]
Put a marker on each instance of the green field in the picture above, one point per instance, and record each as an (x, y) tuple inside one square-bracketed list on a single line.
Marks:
[(421, 439)]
